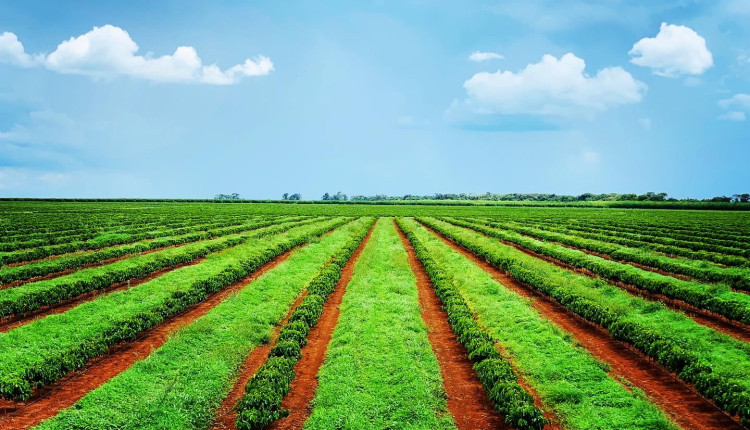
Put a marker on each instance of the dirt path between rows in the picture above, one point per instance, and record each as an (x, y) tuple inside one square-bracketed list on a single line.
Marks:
[(704, 317), (226, 416), (48, 401), (677, 399), (305, 382), (467, 399), (65, 305)]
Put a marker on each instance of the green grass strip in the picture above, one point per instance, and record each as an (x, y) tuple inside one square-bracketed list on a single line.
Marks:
[(716, 364), (182, 384), (380, 371), (719, 299), (32, 296), (672, 250), (102, 241), (699, 270), (496, 374), (41, 352), (261, 404), (76, 260)]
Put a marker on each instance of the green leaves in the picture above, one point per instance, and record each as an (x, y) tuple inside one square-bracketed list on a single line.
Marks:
[(495, 373)]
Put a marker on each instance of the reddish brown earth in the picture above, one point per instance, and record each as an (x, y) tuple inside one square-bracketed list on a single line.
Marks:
[(226, 416), (48, 401), (467, 400), (704, 317), (677, 399), (65, 305), (297, 401)]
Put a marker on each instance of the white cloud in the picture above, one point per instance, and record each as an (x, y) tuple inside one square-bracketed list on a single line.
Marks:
[(552, 87), (109, 52), (11, 51), (478, 56), (737, 106), (677, 50), (733, 116)]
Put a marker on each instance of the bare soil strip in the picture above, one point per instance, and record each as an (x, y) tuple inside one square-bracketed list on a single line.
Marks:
[(704, 317), (677, 399), (305, 382), (48, 401), (65, 305), (467, 400), (226, 415)]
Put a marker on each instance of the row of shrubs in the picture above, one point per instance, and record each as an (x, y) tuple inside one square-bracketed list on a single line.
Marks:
[(30, 297), (733, 277), (19, 387), (28, 271), (667, 351), (495, 373), (703, 234), (696, 294), (97, 235), (640, 241), (261, 404), (46, 251)]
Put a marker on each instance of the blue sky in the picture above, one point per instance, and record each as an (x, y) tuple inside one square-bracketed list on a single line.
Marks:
[(373, 97)]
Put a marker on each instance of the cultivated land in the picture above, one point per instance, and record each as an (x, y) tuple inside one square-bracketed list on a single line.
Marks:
[(171, 315)]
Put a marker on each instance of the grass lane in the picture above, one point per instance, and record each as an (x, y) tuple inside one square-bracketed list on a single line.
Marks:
[(182, 383), (566, 377), (46, 349), (718, 363), (716, 298), (380, 371), (32, 296), (75, 260)]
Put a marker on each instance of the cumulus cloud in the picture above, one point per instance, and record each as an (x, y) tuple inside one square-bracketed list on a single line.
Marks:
[(737, 107), (109, 52), (677, 50), (552, 87), (11, 51), (478, 56)]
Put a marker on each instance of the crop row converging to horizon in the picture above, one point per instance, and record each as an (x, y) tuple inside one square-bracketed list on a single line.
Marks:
[(157, 315)]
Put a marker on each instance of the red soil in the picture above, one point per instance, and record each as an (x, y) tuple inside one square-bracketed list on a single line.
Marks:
[(467, 400), (65, 305), (226, 416), (677, 399), (48, 401), (704, 317), (305, 382)]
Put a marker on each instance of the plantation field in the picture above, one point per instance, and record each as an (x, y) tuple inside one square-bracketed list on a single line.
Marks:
[(196, 315)]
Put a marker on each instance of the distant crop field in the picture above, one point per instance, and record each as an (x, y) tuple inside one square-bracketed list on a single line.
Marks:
[(198, 315)]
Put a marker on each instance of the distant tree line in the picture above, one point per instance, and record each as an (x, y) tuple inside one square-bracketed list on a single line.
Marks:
[(338, 197), (233, 196), (295, 196), (540, 197)]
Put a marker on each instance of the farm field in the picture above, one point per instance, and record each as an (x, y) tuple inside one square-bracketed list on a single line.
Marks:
[(196, 315)]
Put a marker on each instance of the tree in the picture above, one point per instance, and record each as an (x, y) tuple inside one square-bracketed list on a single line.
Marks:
[(326, 197), (741, 198), (295, 196), (285, 196)]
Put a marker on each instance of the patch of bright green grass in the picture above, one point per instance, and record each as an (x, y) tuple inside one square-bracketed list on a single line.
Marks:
[(181, 384), (568, 380), (380, 371)]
